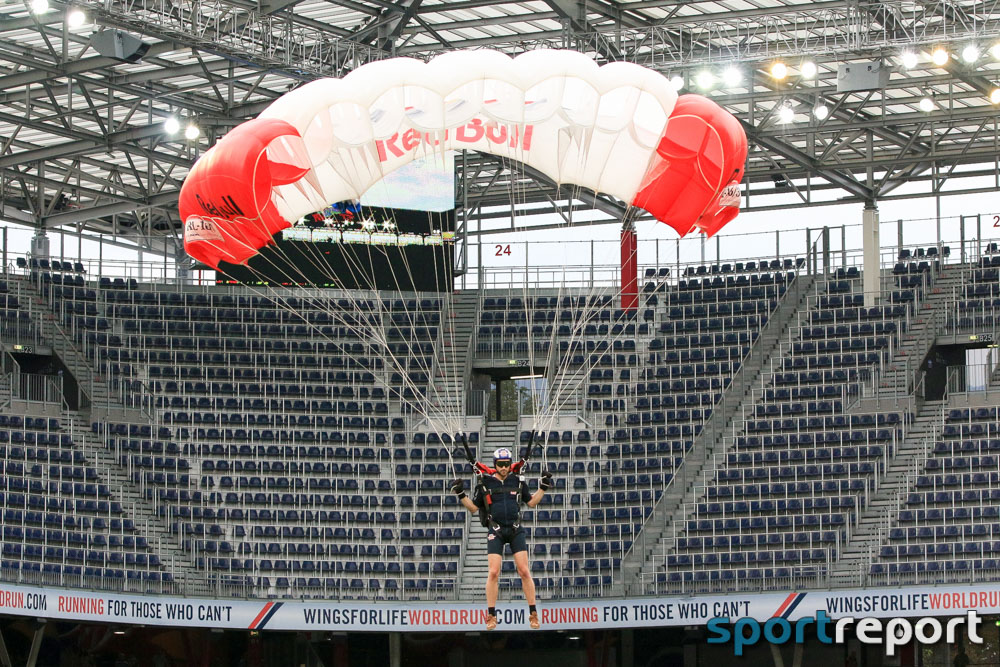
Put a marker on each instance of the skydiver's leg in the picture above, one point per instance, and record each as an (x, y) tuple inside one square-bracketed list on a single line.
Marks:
[(527, 582), (493, 579)]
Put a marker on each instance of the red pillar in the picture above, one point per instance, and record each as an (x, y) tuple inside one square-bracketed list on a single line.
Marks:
[(630, 268)]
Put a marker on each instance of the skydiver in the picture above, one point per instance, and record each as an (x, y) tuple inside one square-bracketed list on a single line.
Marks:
[(498, 499)]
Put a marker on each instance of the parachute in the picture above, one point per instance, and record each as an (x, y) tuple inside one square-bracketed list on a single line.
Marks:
[(617, 129)]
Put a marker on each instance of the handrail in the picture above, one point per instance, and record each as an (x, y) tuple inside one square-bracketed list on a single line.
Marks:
[(721, 417)]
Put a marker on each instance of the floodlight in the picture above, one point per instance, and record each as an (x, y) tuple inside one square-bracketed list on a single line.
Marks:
[(732, 76), (75, 17), (705, 79)]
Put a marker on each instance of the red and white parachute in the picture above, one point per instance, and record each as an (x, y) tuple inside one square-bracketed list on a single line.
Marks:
[(617, 129)]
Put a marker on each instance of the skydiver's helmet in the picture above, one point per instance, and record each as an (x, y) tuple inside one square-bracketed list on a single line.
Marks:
[(502, 454)]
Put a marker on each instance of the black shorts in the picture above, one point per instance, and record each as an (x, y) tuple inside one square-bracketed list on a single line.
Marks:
[(506, 535)]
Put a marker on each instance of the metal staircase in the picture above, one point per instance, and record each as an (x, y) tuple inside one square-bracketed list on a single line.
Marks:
[(851, 566), (452, 358), (907, 461), (656, 537), (143, 511), (104, 405), (898, 377)]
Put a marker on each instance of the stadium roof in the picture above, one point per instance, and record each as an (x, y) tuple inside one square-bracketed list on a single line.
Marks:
[(84, 145)]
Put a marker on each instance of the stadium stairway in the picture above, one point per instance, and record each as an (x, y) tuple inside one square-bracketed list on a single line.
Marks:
[(451, 361), (94, 448), (851, 568), (853, 565), (144, 513), (473, 567), (6, 392), (90, 383), (897, 377), (656, 536)]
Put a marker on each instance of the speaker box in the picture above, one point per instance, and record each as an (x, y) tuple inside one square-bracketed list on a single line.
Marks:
[(861, 76), (119, 45)]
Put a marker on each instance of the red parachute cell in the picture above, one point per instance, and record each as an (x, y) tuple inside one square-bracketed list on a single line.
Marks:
[(727, 204), (700, 155), (225, 201)]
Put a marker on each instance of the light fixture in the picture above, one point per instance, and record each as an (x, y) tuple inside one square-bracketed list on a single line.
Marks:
[(732, 76), (940, 57), (926, 104), (786, 114), (39, 6), (75, 17), (909, 59), (705, 79), (970, 53), (821, 111), (191, 132), (171, 125), (779, 70), (808, 69), (676, 82), (995, 96)]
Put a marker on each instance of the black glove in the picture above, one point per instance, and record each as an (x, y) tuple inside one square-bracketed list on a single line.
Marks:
[(545, 483), (458, 488)]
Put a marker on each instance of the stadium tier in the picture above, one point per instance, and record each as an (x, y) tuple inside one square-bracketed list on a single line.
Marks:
[(300, 443)]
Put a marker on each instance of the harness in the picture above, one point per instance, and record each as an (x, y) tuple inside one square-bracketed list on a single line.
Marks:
[(481, 470), (486, 513)]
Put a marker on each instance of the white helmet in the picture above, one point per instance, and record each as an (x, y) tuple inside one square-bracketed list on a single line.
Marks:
[(502, 454)]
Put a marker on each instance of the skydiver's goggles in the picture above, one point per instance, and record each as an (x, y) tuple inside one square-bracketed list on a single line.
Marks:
[(501, 464)]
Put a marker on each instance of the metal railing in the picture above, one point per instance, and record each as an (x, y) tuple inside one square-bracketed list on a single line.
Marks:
[(970, 379)]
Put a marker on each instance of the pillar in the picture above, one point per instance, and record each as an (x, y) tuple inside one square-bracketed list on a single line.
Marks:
[(630, 267), (395, 652), (872, 280)]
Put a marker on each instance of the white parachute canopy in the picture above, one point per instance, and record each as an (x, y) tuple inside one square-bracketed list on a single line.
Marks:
[(556, 111)]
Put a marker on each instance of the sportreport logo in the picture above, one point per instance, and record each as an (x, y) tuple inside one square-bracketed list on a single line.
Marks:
[(892, 632)]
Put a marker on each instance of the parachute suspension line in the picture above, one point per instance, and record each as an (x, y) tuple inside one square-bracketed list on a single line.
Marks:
[(399, 364), (436, 420), (342, 319), (447, 337), (358, 273), (453, 419), (539, 403)]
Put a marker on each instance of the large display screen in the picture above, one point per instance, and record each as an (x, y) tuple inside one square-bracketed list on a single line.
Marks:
[(357, 247)]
